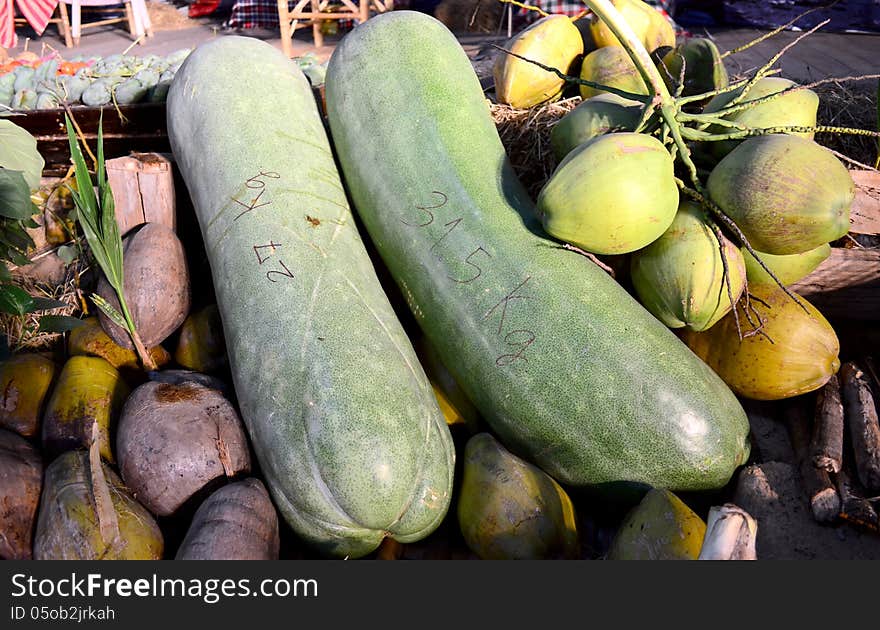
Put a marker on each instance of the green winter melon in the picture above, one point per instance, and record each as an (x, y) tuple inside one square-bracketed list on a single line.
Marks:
[(570, 372), (342, 418)]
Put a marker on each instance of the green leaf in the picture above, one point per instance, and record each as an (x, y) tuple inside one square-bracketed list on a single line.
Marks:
[(59, 323), (46, 304), (18, 152), (14, 300), (15, 196), (67, 253), (83, 178), (17, 258), (5, 276), (109, 310), (16, 236)]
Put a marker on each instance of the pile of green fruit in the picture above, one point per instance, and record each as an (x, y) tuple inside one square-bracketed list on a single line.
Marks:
[(94, 82), (708, 186)]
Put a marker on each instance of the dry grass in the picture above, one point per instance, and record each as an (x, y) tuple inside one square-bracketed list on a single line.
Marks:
[(525, 134), (852, 104), (22, 332)]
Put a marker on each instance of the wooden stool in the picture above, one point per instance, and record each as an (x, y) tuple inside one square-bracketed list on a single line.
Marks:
[(314, 12), (136, 16), (60, 21)]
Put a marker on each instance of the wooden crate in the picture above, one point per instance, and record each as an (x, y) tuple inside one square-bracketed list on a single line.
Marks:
[(131, 128)]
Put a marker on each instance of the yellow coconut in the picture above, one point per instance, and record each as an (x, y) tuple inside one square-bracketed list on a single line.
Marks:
[(201, 346), (25, 380), (509, 509), (650, 26), (795, 351), (553, 41), (91, 340), (660, 527), (89, 390)]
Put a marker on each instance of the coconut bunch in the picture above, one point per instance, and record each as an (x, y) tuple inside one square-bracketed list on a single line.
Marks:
[(715, 192)]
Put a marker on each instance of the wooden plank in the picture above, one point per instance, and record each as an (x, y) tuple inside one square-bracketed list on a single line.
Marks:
[(865, 211), (846, 286)]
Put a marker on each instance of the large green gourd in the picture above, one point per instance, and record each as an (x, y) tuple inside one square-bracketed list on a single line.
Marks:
[(568, 369), (341, 415)]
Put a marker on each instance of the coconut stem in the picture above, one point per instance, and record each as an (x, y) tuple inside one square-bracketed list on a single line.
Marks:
[(142, 352), (108, 524), (725, 274), (606, 11)]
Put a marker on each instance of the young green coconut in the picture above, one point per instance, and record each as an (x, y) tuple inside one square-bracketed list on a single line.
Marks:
[(788, 268), (612, 67), (787, 194), (595, 116), (612, 195), (792, 108), (701, 64), (681, 276)]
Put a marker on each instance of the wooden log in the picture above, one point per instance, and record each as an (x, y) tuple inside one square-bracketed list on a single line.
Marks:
[(864, 429), (855, 508), (143, 190), (821, 493), (826, 446), (846, 286)]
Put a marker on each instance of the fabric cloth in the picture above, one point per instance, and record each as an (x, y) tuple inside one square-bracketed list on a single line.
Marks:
[(576, 8), (264, 14), (36, 12), (254, 14)]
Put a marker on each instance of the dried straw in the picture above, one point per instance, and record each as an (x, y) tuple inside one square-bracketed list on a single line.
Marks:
[(525, 134), (22, 332)]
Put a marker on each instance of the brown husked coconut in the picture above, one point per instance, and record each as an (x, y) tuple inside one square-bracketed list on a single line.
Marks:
[(157, 286), (237, 522), (21, 477), (173, 440)]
